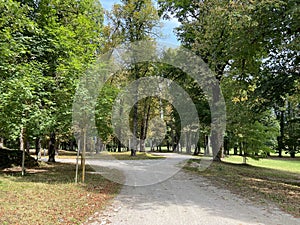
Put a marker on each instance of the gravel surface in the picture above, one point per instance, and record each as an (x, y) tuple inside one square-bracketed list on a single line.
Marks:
[(183, 199)]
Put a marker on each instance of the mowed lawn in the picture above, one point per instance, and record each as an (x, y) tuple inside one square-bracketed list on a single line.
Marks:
[(48, 195), (271, 180), (285, 164)]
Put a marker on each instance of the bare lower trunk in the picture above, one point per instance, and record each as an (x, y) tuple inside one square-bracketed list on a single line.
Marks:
[(241, 149), (235, 150), (135, 126), (22, 148), (37, 147), (83, 155), (207, 143), (27, 146), (119, 146), (51, 150), (280, 138), (187, 143), (1, 143), (216, 136), (142, 146)]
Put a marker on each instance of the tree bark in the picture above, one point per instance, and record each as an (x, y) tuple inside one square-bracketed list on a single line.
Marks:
[(280, 138), (51, 150), (135, 118)]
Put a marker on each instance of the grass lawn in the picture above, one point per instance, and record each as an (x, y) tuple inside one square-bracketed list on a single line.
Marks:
[(276, 181), (48, 195), (285, 164)]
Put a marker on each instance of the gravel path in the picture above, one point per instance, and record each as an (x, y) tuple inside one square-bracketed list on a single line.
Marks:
[(187, 199), (183, 199)]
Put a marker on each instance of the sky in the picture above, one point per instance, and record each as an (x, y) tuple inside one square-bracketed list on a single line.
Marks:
[(168, 35)]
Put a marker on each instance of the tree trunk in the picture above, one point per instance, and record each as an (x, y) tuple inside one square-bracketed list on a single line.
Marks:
[(83, 155), (241, 148), (293, 152), (226, 146), (1, 143), (22, 148), (119, 146), (215, 134), (51, 150), (280, 138), (235, 149), (208, 145), (27, 146), (197, 149), (174, 142), (37, 147), (135, 125), (187, 147)]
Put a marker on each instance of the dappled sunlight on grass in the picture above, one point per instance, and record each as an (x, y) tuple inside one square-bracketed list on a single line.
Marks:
[(48, 195)]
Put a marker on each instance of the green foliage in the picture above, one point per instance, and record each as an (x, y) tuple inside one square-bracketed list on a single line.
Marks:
[(103, 112), (234, 33), (255, 132), (46, 46)]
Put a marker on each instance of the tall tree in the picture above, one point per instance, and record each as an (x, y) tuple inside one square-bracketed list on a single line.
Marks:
[(47, 47), (229, 35), (129, 22)]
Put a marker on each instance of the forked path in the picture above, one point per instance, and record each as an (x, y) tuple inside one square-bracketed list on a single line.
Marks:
[(186, 199)]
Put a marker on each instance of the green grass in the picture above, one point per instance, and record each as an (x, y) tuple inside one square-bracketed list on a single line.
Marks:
[(281, 186), (48, 195), (285, 164)]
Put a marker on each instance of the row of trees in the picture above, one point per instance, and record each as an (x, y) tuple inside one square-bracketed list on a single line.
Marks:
[(251, 46), (45, 47), (253, 49)]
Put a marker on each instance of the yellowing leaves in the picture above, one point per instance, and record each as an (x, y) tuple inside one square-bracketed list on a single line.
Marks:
[(241, 99)]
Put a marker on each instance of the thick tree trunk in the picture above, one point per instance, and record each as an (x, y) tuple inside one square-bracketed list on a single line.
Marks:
[(52, 145), (216, 137)]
